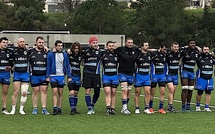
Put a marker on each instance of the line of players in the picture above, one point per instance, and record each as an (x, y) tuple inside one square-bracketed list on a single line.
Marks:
[(124, 65)]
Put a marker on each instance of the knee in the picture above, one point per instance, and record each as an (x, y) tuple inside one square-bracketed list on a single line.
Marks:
[(200, 92)]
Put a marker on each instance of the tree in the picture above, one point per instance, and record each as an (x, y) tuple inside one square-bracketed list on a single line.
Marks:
[(162, 21), (38, 5), (26, 15), (97, 17), (70, 5), (3, 18), (206, 28)]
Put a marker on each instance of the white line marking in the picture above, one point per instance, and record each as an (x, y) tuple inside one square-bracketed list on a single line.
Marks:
[(173, 100)]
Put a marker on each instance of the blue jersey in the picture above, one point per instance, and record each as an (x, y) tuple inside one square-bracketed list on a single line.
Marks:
[(92, 60)]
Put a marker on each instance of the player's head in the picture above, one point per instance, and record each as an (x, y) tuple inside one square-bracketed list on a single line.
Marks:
[(75, 47), (110, 46), (145, 45), (129, 42), (40, 42), (163, 47), (3, 42), (206, 50), (58, 45), (21, 43), (191, 43), (174, 46), (93, 42)]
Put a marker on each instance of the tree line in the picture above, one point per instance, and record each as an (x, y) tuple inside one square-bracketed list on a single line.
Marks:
[(155, 21)]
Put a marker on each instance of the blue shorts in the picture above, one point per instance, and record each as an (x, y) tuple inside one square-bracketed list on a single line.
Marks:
[(38, 80), (23, 77), (126, 78), (158, 78), (203, 84), (57, 81), (142, 80), (76, 80), (110, 80), (187, 75), (172, 78), (5, 78)]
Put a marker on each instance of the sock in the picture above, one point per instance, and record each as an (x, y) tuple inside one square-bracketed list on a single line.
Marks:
[(76, 100), (137, 108), (151, 104), (146, 107), (206, 106), (161, 104), (88, 100), (183, 106), (55, 109), (128, 100), (124, 101), (3, 109), (96, 95), (170, 105), (21, 108), (72, 101), (197, 104), (108, 107), (188, 104), (13, 107)]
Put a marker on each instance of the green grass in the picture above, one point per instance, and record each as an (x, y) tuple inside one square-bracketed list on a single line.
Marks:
[(180, 123)]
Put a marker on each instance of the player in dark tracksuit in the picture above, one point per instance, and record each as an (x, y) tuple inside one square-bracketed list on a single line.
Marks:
[(110, 79), (38, 63), (91, 73), (204, 79), (75, 59), (6, 62), (127, 57), (188, 62)]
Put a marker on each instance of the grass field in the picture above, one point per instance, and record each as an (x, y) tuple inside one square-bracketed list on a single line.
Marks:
[(178, 123)]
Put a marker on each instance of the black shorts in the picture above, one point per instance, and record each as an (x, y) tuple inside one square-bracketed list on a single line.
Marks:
[(91, 80)]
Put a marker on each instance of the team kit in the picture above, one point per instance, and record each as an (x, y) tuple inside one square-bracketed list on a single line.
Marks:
[(127, 67)]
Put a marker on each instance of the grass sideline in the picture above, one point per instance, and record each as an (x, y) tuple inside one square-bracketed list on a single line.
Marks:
[(178, 123)]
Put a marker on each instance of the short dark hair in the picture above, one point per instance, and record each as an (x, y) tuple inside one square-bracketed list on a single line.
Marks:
[(57, 42), (39, 37), (142, 43), (174, 42), (3, 38), (109, 42), (191, 40), (163, 44)]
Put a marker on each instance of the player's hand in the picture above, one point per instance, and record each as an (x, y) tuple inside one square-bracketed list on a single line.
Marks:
[(69, 79), (46, 48), (54, 50), (69, 51), (48, 79), (8, 68)]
